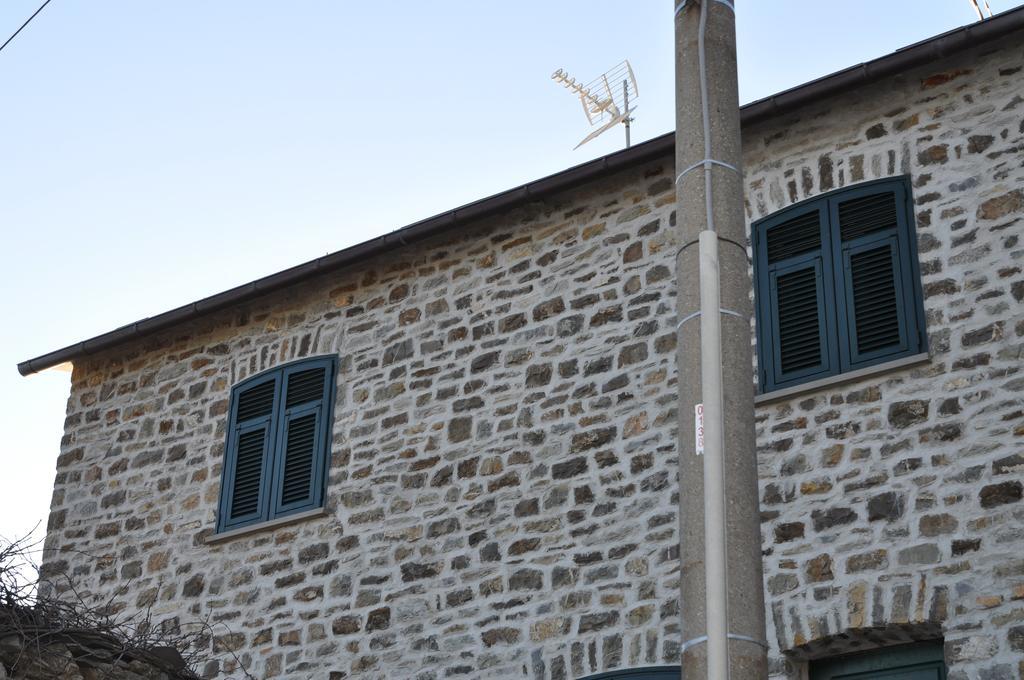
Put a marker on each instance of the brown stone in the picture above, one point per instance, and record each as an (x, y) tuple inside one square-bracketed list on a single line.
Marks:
[(936, 525), (548, 309), (634, 252), (907, 413), (545, 629), (789, 531), (856, 605), (925, 553), (638, 616), (310, 593), (875, 131), (484, 361), (632, 354), (194, 586), (635, 425), (414, 572), (993, 495), (888, 506), (526, 579), (833, 517), (819, 569), (965, 545), (289, 638), (815, 486), (345, 625), (569, 468), (496, 636), (538, 375), (1001, 206), (524, 545), (869, 561), (938, 153), (904, 124), (592, 439), (443, 527), (457, 598), (593, 622), (1009, 465), (378, 619), (158, 561), (782, 583), (978, 143), (460, 429)]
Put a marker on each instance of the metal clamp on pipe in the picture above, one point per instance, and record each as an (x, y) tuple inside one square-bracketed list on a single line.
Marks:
[(732, 636), (688, 317), (707, 164)]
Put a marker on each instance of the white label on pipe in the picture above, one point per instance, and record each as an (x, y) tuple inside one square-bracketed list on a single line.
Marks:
[(698, 427)]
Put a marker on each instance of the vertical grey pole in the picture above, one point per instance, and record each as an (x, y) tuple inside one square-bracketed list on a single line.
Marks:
[(625, 105), (721, 580)]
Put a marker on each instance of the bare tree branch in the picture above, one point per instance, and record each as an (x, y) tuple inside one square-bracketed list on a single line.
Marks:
[(49, 625)]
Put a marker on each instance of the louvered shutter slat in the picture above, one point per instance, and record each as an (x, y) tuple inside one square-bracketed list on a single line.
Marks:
[(300, 453), (793, 237), (249, 464), (256, 402), (867, 215), (875, 298), (800, 327), (305, 386)]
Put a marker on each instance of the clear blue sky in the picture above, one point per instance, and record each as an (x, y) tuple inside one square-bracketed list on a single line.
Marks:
[(152, 153)]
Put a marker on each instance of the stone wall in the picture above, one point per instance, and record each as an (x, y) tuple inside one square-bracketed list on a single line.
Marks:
[(892, 506), (502, 498), (81, 654), (502, 479)]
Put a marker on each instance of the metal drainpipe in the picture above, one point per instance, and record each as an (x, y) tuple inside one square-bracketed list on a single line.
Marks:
[(721, 580)]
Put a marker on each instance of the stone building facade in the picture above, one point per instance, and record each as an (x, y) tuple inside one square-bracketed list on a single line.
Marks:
[(502, 493), (895, 501)]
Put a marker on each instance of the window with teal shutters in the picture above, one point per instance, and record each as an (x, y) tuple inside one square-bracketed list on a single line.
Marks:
[(278, 438), (837, 284)]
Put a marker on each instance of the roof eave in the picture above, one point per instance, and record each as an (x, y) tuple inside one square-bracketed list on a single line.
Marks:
[(902, 60)]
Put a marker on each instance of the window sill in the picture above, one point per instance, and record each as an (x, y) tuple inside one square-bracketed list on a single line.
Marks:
[(833, 380), (270, 525)]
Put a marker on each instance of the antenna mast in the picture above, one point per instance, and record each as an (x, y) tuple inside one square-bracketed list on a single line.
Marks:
[(602, 102), (978, 4)]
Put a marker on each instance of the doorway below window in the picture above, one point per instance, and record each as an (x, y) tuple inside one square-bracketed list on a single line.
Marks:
[(648, 673), (920, 661)]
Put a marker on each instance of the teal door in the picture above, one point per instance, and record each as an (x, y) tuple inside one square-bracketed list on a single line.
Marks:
[(908, 662), (648, 673)]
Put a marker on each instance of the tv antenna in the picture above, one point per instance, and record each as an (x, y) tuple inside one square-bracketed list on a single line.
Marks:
[(606, 99), (978, 5)]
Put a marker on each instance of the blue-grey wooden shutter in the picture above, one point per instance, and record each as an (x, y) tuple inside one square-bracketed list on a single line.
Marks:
[(248, 459), (874, 275), (303, 436), (795, 297)]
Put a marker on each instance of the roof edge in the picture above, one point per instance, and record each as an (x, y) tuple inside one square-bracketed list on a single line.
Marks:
[(417, 231), (920, 53), (903, 59)]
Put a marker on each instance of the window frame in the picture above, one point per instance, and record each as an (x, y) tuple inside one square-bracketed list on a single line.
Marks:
[(835, 300), (269, 507)]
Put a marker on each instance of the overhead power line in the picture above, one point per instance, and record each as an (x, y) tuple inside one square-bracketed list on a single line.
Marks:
[(25, 24)]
